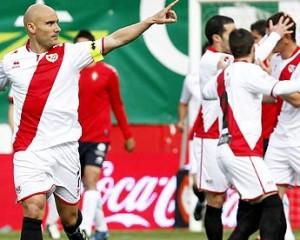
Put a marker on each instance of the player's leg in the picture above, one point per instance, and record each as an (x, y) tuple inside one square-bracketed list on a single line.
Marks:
[(31, 184), (67, 177), (212, 219), (33, 210), (90, 198), (100, 224), (194, 172), (52, 218), (248, 217), (71, 219), (213, 182), (92, 156)]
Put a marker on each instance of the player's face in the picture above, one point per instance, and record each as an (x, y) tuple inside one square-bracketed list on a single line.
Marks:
[(256, 36), (47, 30), (280, 46), (225, 37)]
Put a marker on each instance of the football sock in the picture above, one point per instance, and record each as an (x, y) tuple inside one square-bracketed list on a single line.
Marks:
[(213, 223), (31, 229), (272, 223), (89, 206), (100, 222), (73, 232), (248, 217)]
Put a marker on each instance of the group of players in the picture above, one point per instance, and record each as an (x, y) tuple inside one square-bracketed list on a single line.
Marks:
[(236, 76), (227, 133), (44, 76)]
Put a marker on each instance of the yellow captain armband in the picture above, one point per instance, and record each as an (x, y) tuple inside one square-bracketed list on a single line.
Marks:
[(95, 52)]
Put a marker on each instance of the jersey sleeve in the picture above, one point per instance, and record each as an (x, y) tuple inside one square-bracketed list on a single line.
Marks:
[(265, 46), (84, 53), (117, 104), (210, 89), (3, 77), (262, 82)]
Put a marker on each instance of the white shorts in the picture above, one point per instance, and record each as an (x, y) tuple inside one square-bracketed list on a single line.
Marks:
[(249, 175), (55, 169), (211, 178), (194, 161), (284, 164)]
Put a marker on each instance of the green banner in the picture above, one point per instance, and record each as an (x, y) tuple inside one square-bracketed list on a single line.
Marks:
[(151, 77)]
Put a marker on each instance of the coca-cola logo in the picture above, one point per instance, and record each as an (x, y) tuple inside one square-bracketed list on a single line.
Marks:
[(132, 201)]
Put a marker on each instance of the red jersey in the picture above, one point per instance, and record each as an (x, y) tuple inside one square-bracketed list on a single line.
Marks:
[(99, 92), (270, 112)]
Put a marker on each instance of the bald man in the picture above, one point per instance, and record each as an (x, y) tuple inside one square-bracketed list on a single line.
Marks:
[(44, 76)]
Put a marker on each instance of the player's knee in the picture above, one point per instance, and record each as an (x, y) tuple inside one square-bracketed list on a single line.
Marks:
[(70, 217), (34, 208), (215, 200)]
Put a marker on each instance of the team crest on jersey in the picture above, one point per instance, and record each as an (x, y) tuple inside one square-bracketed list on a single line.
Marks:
[(291, 68), (52, 57)]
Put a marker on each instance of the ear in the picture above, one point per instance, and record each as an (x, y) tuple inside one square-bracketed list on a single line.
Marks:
[(216, 38), (31, 27)]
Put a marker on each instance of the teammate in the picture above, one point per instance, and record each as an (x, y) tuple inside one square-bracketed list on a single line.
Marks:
[(99, 91), (206, 128), (240, 88), (270, 112), (190, 100), (44, 76), (282, 156)]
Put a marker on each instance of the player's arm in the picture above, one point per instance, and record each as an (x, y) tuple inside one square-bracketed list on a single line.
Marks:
[(262, 82), (293, 99), (185, 97), (129, 33), (209, 90), (119, 112), (265, 47), (3, 77)]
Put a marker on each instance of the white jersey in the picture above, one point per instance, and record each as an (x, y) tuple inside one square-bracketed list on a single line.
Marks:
[(241, 87), (190, 94), (45, 92), (287, 131), (207, 123)]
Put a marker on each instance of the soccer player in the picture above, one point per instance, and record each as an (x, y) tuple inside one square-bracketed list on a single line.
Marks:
[(191, 98), (240, 88), (282, 156), (270, 112), (44, 76), (206, 128), (99, 92)]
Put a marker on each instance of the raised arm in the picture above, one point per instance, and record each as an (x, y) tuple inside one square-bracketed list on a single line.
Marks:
[(127, 34), (265, 47)]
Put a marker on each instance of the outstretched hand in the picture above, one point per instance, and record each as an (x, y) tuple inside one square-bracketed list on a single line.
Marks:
[(166, 15)]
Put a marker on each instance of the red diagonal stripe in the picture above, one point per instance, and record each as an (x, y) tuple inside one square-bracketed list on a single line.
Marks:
[(37, 94)]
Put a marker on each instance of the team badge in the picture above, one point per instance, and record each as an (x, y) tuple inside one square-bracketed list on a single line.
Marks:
[(52, 57), (291, 68)]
